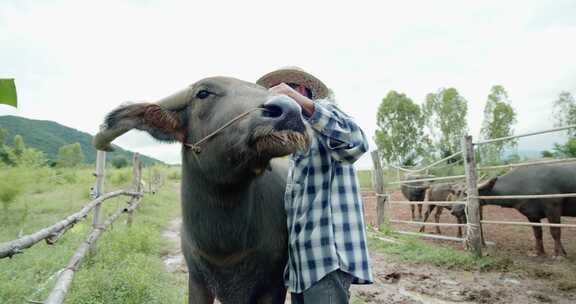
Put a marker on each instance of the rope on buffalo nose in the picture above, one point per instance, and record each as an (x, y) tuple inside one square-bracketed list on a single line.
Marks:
[(195, 147)]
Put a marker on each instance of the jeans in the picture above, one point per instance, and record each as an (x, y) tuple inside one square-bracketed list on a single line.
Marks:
[(331, 289)]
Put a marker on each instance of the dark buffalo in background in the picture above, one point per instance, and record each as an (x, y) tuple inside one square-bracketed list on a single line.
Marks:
[(234, 234), (415, 192), (545, 179)]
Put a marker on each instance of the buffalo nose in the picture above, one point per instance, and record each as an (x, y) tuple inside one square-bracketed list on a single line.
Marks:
[(280, 107), (284, 113)]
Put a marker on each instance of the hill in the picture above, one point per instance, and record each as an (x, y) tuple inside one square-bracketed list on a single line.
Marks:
[(48, 136)]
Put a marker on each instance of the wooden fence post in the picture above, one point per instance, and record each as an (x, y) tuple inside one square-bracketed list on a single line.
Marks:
[(378, 178), (97, 191), (473, 231), (136, 184)]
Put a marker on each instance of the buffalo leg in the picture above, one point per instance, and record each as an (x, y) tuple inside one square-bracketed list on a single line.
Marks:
[(412, 212), (538, 237), (198, 293), (426, 215), (419, 211), (460, 221), (437, 218), (554, 218)]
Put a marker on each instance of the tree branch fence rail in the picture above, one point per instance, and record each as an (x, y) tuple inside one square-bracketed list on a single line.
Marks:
[(52, 233), (472, 240)]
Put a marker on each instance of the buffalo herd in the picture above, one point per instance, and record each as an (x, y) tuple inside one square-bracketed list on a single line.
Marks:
[(529, 180)]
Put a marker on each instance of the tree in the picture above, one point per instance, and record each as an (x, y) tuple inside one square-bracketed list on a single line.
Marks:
[(70, 155), (564, 115), (566, 150), (565, 112), (4, 155), (547, 154), (32, 158), (400, 135), (499, 119), (20, 155), (19, 145), (445, 119), (119, 162)]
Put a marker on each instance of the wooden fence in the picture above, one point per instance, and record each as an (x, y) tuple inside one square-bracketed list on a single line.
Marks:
[(52, 233), (473, 239)]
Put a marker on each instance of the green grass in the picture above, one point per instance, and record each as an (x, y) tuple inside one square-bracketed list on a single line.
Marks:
[(127, 267), (356, 300), (365, 179), (415, 251)]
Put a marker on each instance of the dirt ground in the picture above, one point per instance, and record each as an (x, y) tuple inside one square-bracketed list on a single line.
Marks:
[(407, 283)]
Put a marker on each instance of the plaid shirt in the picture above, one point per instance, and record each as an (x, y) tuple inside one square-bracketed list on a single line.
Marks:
[(323, 204)]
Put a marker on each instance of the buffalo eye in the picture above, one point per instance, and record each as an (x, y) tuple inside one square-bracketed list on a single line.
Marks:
[(203, 94)]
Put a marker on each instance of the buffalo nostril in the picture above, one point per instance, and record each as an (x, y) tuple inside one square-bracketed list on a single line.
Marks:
[(272, 111)]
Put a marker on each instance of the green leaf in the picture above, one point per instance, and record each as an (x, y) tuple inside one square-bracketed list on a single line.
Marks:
[(8, 92)]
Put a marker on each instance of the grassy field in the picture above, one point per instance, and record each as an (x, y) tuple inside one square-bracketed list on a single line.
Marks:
[(414, 250), (365, 179), (127, 267)]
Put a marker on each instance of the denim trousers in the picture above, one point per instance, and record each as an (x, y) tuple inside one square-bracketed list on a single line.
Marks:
[(334, 288)]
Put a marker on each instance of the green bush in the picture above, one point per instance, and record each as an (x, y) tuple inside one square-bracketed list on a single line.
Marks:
[(10, 187), (119, 178), (119, 162), (175, 175), (70, 155)]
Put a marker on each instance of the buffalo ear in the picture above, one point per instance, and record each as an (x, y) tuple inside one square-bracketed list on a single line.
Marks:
[(162, 124), (487, 186)]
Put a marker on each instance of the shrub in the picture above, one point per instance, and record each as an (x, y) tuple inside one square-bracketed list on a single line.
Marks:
[(10, 188), (175, 175), (70, 155), (119, 178), (119, 162)]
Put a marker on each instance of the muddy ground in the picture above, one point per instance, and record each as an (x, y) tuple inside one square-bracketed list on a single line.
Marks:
[(412, 283)]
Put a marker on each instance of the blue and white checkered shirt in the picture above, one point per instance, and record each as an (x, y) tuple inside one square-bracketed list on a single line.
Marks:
[(323, 203)]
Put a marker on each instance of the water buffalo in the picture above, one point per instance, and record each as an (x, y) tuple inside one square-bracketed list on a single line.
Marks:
[(547, 179), (438, 193), (415, 192), (234, 235)]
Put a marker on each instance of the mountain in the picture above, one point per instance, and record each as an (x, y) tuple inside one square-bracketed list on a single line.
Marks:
[(48, 136)]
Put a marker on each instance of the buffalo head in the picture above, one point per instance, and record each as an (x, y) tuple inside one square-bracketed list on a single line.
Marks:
[(484, 189), (262, 126)]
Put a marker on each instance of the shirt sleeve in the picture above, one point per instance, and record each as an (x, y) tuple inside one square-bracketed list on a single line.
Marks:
[(340, 134)]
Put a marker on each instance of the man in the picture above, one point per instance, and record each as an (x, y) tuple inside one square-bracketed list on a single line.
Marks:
[(327, 248)]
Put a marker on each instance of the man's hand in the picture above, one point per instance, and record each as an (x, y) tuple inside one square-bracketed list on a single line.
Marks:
[(306, 103)]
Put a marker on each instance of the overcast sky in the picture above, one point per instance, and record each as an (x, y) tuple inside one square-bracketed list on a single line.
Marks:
[(74, 61)]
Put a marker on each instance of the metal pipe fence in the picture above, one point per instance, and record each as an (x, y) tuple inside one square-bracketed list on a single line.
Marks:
[(488, 141)]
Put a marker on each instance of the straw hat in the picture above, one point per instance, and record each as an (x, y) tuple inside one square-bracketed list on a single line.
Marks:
[(295, 75)]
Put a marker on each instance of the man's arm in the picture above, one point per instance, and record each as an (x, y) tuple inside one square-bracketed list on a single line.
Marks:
[(342, 135)]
